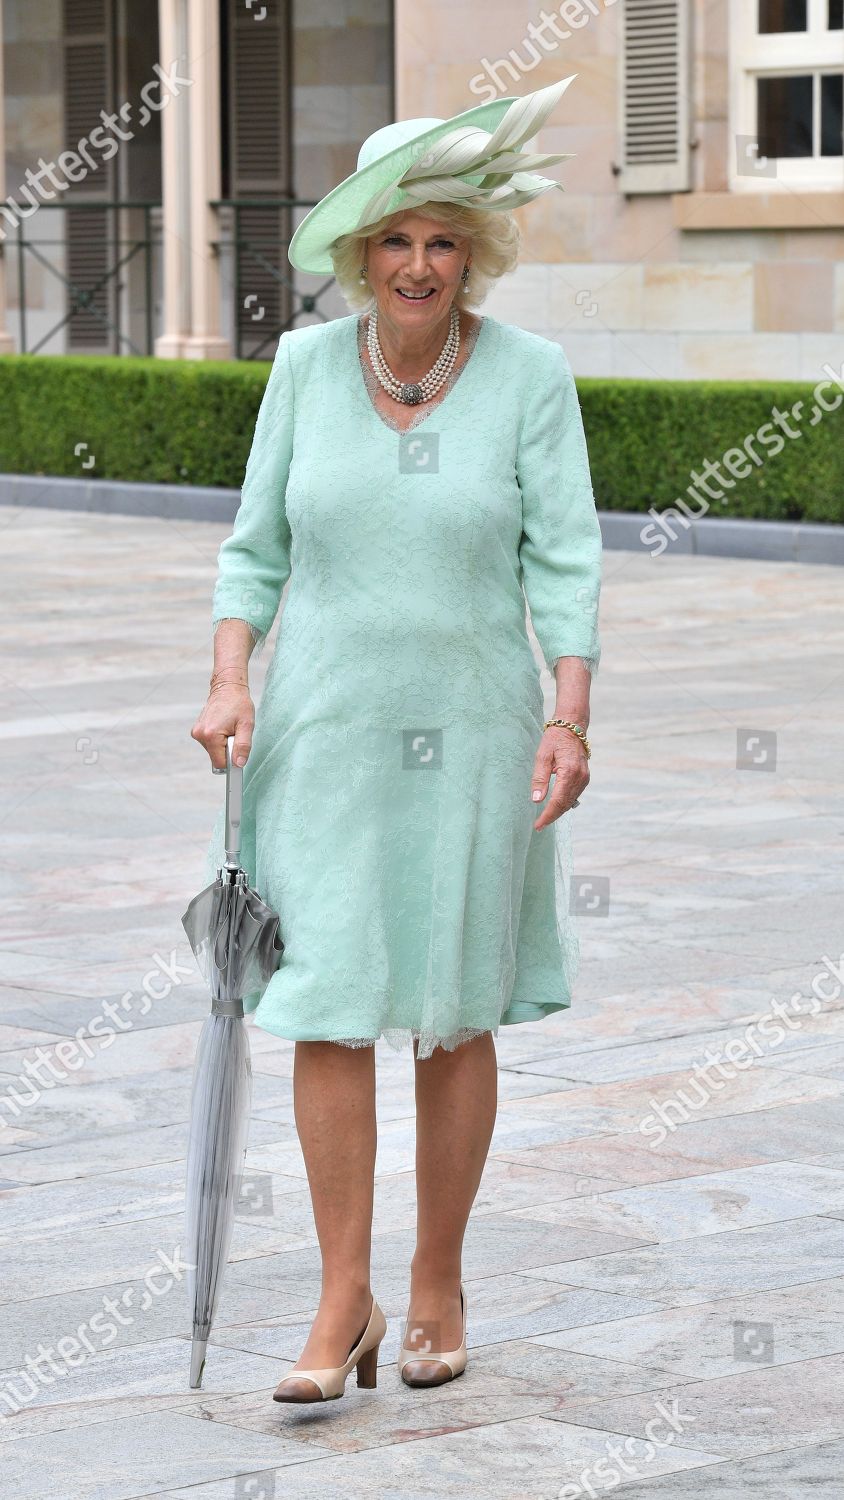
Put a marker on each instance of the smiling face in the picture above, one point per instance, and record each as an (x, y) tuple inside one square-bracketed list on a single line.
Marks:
[(414, 270)]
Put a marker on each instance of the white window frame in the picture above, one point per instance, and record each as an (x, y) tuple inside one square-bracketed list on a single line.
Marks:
[(779, 54)]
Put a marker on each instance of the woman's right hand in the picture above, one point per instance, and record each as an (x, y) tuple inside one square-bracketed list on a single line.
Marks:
[(229, 710)]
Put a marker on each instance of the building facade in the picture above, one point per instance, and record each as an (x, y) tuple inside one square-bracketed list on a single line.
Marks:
[(158, 159)]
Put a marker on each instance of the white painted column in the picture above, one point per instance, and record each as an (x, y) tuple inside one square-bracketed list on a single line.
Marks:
[(190, 168), (7, 344)]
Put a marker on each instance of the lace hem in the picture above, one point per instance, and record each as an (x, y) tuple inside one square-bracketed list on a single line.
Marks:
[(258, 637), (399, 1038), (589, 662)]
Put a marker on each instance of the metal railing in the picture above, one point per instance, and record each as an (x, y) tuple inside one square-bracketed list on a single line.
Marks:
[(108, 277), (261, 275), (88, 271)]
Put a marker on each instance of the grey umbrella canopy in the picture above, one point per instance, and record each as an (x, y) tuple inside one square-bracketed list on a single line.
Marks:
[(236, 941)]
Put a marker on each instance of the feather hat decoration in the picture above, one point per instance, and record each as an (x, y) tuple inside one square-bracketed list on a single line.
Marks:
[(441, 161)]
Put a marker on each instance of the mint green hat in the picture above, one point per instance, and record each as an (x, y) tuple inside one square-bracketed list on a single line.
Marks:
[(473, 159)]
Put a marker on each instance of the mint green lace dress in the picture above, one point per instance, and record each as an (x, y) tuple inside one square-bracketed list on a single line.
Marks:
[(387, 813)]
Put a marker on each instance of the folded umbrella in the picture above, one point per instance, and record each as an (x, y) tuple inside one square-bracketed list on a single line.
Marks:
[(235, 938)]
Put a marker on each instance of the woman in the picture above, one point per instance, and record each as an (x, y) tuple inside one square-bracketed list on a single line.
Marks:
[(410, 468)]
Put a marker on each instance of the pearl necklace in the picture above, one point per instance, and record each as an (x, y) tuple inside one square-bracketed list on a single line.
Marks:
[(412, 392)]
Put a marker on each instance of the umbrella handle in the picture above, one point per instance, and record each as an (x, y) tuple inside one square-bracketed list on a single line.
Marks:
[(234, 803)]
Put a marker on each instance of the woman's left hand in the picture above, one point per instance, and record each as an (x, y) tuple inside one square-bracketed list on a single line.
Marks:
[(559, 752)]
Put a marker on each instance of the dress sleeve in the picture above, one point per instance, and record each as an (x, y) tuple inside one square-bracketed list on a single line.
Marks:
[(254, 561), (560, 545)]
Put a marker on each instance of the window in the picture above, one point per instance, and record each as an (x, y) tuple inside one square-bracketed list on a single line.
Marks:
[(787, 94), (783, 15)]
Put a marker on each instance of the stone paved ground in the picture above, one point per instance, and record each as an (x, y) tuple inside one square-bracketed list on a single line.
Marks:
[(655, 1262)]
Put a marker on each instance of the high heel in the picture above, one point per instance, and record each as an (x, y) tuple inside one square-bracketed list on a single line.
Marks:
[(455, 1359), (331, 1382), (367, 1369)]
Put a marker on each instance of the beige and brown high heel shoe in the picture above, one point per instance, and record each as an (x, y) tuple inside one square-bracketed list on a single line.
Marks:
[(440, 1367), (331, 1383)]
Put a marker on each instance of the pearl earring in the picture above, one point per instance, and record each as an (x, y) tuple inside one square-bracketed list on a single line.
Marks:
[(465, 275), (362, 277)]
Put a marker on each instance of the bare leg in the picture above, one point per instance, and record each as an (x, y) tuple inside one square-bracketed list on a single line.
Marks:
[(456, 1103), (334, 1109)]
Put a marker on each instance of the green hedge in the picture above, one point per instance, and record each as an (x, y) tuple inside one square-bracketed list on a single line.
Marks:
[(647, 436), (186, 422), (167, 421)]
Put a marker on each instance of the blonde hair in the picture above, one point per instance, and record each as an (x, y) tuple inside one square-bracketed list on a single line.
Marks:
[(493, 233)]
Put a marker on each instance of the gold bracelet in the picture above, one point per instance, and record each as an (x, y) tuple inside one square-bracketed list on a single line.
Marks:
[(575, 729), (219, 681)]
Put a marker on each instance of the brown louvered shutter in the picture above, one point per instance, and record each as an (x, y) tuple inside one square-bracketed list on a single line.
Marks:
[(87, 90), (259, 157), (655, 94)]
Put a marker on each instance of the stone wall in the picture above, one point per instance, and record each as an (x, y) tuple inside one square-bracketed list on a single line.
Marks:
[(664, 285)]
